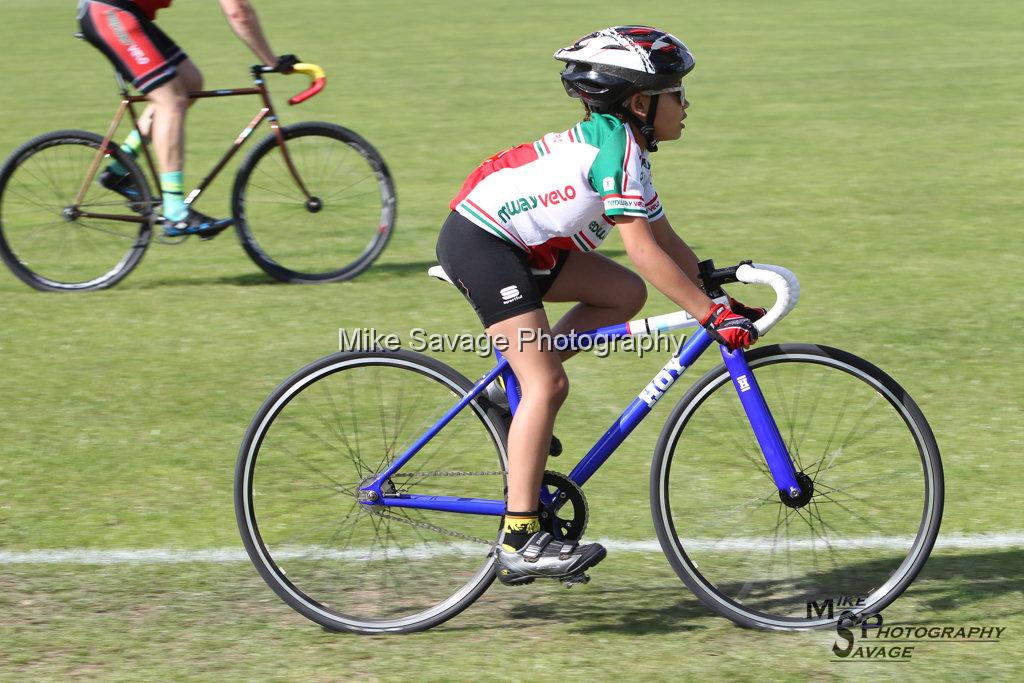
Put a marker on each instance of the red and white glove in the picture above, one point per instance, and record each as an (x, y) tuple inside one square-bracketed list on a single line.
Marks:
[(735, 331), (749, 312)]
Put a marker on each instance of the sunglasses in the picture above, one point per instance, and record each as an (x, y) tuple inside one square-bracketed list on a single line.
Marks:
[(681, 89)]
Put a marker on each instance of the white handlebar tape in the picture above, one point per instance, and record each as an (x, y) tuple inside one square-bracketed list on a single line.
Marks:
[(782, 280)]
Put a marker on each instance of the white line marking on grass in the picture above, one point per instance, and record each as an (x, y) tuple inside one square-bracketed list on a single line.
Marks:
[(224, 555), (951, 541)]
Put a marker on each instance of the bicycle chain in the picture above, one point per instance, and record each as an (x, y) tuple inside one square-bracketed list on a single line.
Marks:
[(379, 511), (446, 473)]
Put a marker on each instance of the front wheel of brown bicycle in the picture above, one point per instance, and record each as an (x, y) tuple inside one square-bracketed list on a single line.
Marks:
[(319, 208)]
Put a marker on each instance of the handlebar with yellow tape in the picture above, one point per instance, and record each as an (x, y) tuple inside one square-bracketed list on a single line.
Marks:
[(316, 76)]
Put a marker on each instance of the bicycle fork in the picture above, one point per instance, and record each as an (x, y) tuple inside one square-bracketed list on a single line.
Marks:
[(765, 430)]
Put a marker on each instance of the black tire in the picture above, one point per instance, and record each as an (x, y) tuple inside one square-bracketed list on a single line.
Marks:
[(739, 574), (332, 238), (42, 241), (321, 432)]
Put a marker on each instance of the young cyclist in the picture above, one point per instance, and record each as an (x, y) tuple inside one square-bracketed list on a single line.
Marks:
[(124, 31), (524, 228)]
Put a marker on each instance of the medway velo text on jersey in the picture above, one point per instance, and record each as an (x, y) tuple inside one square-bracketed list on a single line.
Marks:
[(561, 191)]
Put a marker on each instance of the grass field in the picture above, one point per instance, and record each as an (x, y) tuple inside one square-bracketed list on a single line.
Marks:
[(873, 148)]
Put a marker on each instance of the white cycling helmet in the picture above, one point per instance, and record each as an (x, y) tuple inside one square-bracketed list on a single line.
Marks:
[(606, 67)]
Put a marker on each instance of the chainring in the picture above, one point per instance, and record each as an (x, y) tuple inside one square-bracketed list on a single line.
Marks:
[(565, 517)]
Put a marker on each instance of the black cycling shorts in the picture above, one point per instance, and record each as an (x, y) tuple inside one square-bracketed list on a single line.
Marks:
[(140, 51), (492, 273)]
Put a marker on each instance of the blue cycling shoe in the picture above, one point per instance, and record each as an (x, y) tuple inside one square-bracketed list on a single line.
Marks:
[(196, 223), (118, 183)]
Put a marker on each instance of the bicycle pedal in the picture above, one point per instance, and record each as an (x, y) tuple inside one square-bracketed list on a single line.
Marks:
[(575, 579)]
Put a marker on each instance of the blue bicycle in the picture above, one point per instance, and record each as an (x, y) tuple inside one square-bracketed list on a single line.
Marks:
[(370, 485)]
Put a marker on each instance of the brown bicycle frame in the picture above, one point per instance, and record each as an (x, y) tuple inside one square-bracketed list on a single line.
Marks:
[(127, 102)]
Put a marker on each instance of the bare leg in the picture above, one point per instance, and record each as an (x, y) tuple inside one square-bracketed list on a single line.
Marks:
[(146, 121), (544, 388), (542, 379), (164, 118), (608, 294)]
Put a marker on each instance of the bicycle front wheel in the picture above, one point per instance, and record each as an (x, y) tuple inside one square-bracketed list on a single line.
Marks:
[(867, 456), (368, 568), (319, 209), (52, 241)]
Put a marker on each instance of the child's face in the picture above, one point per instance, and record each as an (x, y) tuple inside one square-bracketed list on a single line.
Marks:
[(668, 120)]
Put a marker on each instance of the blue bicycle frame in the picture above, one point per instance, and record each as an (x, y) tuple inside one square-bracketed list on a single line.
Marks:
[(761, 421)]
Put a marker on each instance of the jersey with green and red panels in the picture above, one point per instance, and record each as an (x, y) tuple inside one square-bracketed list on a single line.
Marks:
[(561, 191)]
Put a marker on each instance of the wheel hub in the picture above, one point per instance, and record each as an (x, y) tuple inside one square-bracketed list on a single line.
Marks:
[(387, 488), (806, 492), (565, 516), (71, 213), (314, 204)]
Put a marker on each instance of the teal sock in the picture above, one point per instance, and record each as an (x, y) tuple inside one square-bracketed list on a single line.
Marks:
[(131, 146), (172, 188)]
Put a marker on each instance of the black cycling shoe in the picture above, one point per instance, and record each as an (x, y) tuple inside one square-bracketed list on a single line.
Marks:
[(545, 558), (121, 184), (196, 223)]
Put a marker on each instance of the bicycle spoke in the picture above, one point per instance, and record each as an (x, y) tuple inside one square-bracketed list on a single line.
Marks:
[(352, 453), (850, 511)]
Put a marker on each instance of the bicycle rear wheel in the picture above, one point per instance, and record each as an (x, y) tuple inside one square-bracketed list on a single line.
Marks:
[(44, 238), (866, 453), (335, 233), (369, 568)]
